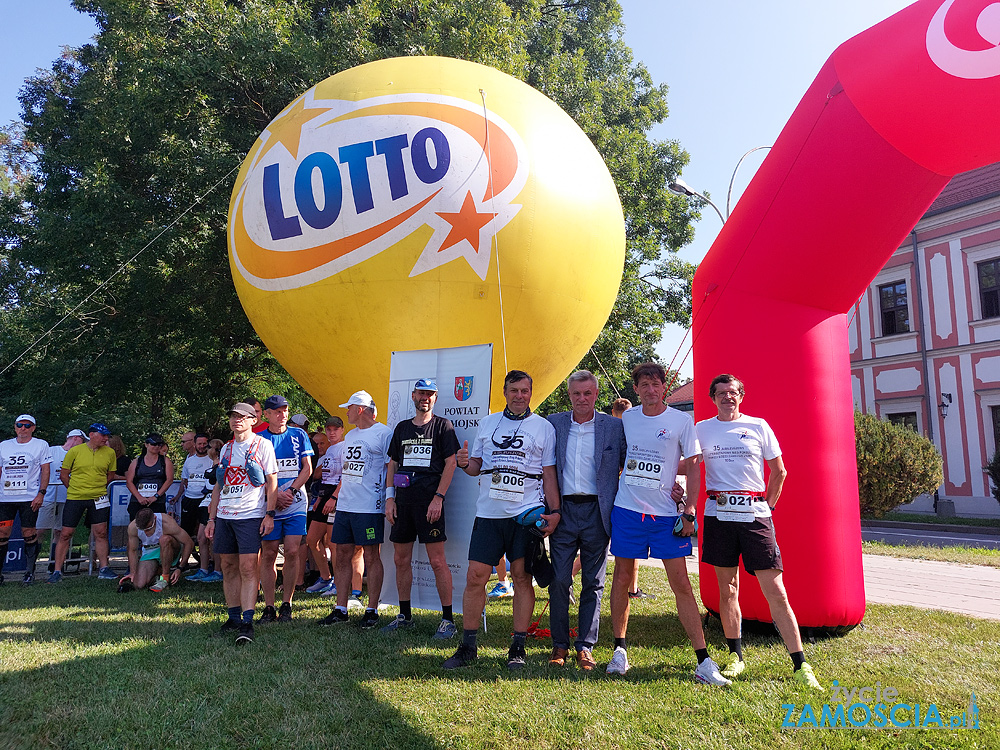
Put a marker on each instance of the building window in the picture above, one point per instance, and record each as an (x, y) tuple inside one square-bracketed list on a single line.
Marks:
[(996, 427), (895, 313), (989, 287), (906, 418)]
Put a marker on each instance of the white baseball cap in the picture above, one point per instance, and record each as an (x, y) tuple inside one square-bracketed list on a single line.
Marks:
[(25, 418), (360, 398), (77, 433)]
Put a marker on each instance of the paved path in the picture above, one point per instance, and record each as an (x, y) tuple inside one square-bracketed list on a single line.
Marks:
[(929, 584), (931, 538)]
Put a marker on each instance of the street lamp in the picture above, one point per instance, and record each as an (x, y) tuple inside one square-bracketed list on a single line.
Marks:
[(679, 187)]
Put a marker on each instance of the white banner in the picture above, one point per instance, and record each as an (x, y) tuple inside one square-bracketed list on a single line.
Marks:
[(463, 378)]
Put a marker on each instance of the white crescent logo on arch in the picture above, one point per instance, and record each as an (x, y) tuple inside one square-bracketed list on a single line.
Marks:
[(965, 63)]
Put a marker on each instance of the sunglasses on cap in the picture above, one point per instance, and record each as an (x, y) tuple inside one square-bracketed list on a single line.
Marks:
[(23, 424), (155, 442)]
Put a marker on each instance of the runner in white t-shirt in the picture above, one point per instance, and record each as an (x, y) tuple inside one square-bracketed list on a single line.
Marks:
[(24, 479), (738, 520), (646, 520), (197, 496), (242, 511), (360, 507), (514, 456)]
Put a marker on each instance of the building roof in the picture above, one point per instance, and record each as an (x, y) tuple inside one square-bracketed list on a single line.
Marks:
[(683, 394), (968, 187)]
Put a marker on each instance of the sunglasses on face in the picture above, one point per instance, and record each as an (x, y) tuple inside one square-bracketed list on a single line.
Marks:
[(24, 424)]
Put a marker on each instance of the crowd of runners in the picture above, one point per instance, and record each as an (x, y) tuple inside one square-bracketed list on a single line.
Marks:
[(577, 486)]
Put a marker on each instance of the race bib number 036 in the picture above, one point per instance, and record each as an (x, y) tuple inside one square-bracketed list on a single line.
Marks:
[(417, 454)]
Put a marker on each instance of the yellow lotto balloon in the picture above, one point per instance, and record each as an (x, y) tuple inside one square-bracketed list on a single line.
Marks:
[(403, 205)]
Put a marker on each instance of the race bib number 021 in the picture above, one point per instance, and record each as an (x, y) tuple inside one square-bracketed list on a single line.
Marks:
[(734, 507)]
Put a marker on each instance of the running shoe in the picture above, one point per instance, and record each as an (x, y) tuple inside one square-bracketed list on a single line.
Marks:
[(330, 590), (354, 601), (708, 673), (321, 583), (107, 574), (370, 620), (400, 623), (268, 616), (285, 612), (733, 667), (54, 577), (640, 594), (198, 575), (502, 590), (29, 578), (214, 577), (619, 661), (160, 585), (229, 626), (516, 656), (334, 618), (446, 630), (1, 578), (463, 657), (245, 635), (804, 674)]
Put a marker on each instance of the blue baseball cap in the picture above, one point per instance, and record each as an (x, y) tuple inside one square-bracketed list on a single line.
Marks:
[(99, 428), (425, 384), (275, 402)]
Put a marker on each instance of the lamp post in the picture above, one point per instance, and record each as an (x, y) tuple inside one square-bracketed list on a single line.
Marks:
[(679, 187)]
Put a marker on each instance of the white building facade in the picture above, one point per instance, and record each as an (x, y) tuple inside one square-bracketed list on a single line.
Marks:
[(925, 338)]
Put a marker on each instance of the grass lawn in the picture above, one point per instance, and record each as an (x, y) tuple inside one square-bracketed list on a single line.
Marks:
[(956, 554), (921, 518), (82, 666)]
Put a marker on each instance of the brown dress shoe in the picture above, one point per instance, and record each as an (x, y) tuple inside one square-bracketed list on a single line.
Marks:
[(558, 657), (585, 660)]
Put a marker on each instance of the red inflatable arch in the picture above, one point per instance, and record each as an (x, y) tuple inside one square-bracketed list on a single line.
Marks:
[(892, 116)]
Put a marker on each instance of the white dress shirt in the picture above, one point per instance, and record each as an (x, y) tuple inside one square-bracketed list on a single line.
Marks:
[(579, 476)]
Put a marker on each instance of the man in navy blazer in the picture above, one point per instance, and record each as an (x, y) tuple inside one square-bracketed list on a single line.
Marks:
[(590, 453)]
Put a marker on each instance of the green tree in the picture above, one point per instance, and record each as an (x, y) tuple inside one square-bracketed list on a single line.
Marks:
[(122, 135), (895, 465)]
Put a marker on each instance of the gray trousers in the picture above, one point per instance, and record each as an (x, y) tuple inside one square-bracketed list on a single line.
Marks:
[(580, 530)]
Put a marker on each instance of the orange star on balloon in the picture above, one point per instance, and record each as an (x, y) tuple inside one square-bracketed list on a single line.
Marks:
[(465, 224), (288, 129)]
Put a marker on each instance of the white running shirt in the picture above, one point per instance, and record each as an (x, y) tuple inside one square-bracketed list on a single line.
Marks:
[(510, 449), (734, 454), (655, 447), (238, 498), (362, 479), (332, 463), (22, 469)]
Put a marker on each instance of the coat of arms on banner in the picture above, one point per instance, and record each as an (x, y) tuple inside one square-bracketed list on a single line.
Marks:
[(463, 388)]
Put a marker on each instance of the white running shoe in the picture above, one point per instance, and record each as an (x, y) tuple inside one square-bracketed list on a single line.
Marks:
[(501, 590), (708, 672), (353, 602), (619, 661)]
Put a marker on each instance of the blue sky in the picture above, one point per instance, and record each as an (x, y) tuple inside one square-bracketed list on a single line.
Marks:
[(736, 70)]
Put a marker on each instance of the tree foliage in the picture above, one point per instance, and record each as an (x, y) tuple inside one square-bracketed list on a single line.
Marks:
[(122, 135), (895, 465), (992, 470)]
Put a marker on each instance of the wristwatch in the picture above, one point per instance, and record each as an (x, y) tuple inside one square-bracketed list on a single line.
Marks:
[(271, 513), (688, 516), (438, 494)]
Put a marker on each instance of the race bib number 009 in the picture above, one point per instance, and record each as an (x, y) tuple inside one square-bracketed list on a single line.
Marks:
[(643, 473)]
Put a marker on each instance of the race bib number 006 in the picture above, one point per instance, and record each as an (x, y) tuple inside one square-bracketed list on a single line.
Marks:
[(506, 486)]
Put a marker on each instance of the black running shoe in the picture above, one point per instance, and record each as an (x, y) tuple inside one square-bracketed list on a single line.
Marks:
[(334, 618), (516, 656), (245, 635), (370, 620), (269, 616), (29, 578), (463, 657), (640, 594), (229, 626), (285, 612)]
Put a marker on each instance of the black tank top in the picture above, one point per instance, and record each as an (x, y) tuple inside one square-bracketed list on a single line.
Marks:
[(155, 474)]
